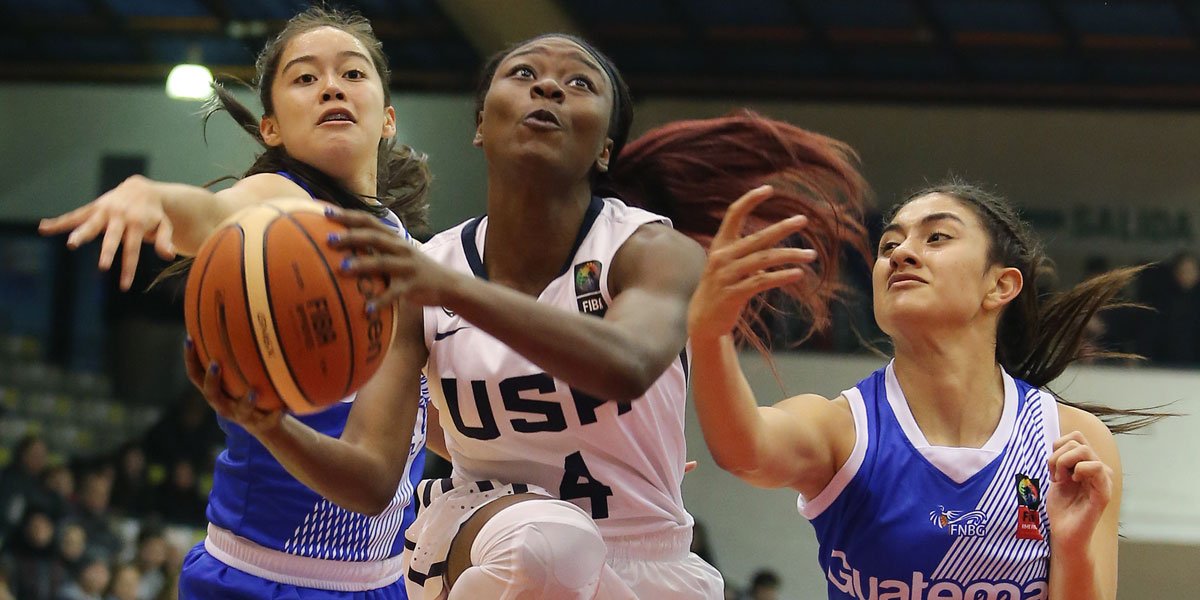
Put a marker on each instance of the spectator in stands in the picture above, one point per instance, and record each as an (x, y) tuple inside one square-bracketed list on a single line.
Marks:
[(30, 558), (178, 499), (72, 543), (188, 430), (60, 482), (5, 589), (151, 560), (1173, 334), (95, 493), (131, 494), (764, 586), (93, 579), (125, 583), (21, 482)]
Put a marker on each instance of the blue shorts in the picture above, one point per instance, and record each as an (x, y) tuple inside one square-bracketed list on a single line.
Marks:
[(206, 577)]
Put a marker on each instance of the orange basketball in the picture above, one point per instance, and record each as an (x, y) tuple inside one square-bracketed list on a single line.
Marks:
[(267, 299)]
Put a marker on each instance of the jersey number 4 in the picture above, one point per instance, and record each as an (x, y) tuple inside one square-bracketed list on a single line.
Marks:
[(577, 482)]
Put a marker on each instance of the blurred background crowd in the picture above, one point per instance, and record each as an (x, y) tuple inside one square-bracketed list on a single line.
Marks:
[(1084, 112)]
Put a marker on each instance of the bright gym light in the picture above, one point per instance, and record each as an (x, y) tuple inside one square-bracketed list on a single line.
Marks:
[(190, 82)]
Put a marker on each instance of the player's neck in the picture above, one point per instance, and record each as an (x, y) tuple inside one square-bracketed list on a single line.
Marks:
[(357, 176), (953, 387), (532, 226), (363, 184)]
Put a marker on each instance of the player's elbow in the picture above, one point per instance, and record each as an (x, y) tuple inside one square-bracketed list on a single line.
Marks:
[(746, 465), (373, 493), (376, 501), (638, 370), (630, 381), (738, 464), (373, 509)]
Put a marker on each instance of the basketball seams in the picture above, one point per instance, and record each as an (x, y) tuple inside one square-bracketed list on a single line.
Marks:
[(224, 341), (262, 359), (205, 261), (337, 289), (256, 220)]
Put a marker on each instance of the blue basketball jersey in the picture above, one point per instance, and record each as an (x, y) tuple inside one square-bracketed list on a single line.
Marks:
[(254, 497), (906, 520)]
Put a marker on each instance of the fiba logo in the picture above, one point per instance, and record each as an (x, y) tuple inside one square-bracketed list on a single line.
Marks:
[(958, 523), (1029, 501), (587, 288)]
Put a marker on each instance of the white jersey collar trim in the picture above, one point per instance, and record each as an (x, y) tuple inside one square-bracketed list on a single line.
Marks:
[(957, 463)]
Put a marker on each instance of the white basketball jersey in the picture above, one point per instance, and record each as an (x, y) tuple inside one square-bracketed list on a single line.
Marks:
[(506, 419)]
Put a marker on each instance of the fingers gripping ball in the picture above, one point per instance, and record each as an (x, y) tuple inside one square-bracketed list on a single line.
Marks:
[(267, 298)]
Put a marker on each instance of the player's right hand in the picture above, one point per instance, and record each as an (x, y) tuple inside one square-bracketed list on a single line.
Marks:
[(131, 213), (411, 275)]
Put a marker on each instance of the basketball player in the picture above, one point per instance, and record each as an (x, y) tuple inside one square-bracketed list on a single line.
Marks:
[(949, 473), (323, 86), (555, 330)]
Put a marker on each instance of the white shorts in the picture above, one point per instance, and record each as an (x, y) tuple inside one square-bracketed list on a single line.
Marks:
[(669, 572), (654, 566)]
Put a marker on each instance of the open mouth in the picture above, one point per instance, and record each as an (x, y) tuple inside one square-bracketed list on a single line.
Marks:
[(337, 115), (543, 118)]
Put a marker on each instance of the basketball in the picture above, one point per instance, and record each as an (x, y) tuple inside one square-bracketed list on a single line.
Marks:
[(267, 299)]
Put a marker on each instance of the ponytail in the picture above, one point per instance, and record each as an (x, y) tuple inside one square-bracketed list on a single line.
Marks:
[(690, 172)]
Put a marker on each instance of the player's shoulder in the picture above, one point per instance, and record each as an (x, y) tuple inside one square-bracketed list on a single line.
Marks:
[(270, 185), (1072, 418), (1097, 434), (657, 237), (448, 239), (816, 405), (616, 209)]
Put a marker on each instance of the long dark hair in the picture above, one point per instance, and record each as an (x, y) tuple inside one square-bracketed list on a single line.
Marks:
[(691, 171), (403, 175), (1041, 333)]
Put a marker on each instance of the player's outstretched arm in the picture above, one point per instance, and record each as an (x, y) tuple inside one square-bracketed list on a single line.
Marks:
[(797, 442), (361, 470), (615, 358), (1083, 503), (175, 217)]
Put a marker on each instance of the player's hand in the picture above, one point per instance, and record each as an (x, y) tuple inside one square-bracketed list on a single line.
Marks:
[(242, 411), (379, 251), (1081, 488), (740, 267), (131, 213)]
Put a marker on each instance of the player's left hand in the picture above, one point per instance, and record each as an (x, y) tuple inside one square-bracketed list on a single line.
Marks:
[(1081, 488), (379, 251), (739, 267), (242, 411)]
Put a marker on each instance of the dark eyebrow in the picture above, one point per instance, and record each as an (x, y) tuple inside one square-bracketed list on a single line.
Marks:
[(579, 56), (311, 58), (940, 216)]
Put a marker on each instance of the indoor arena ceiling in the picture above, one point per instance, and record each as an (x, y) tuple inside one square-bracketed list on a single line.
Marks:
[(1141, 53)]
